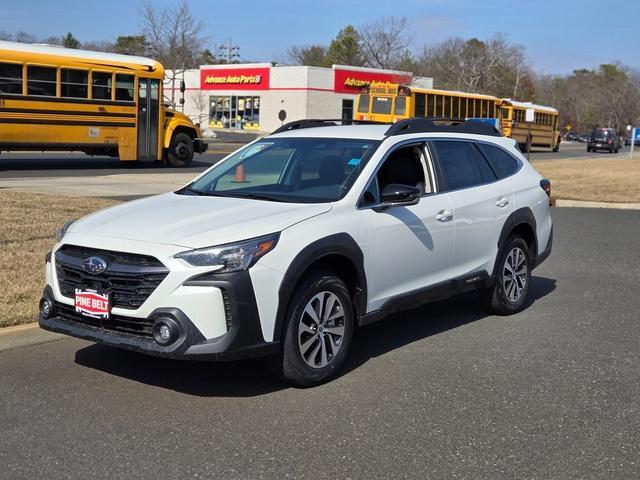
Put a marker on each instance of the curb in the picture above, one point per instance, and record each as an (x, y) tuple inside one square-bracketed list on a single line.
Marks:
[(18, 328), (587, 204)]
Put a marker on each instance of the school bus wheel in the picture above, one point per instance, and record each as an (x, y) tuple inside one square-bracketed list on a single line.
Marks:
[(180, 151)]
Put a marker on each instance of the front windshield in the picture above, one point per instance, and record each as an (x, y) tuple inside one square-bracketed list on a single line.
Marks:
[(305, 170)]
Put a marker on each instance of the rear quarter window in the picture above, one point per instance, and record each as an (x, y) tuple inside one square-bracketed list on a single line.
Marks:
[(501, 162)]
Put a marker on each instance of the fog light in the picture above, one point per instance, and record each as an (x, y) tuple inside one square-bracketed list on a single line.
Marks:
[(46, 307), (165, 331)]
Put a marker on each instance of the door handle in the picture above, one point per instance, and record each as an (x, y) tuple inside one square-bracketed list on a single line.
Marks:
[(444, 215), (502, 202)]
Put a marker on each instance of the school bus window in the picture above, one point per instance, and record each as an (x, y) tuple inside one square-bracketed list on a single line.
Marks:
[(101, 86), (430, 104), (401, 106), (381, 105), (363, 104), (492, 109), (74, 83), (438, 106), (124, 87), (11, 78), (456, 107), (41, 81)]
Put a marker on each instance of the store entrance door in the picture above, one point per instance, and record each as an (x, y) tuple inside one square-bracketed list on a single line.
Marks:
[(347, 109)]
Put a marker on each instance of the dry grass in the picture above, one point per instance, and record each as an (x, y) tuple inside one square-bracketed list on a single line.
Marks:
[(28, 225), (597, 180)]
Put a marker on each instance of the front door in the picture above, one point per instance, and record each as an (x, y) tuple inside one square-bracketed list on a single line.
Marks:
[(411, 247), (148, 118)]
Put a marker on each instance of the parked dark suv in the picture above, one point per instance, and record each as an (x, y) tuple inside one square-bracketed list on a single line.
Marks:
[(604, 139)]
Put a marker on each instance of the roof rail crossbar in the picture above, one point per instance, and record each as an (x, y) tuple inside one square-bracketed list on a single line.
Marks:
[(316, 122), (424, 125)]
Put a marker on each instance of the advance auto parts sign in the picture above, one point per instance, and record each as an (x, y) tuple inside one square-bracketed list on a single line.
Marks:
[(256, 78), (352, 81)]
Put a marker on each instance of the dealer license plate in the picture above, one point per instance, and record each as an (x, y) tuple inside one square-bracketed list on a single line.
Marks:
[(598, 145), (92, 303)]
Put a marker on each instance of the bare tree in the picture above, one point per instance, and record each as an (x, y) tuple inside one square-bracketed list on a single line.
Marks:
[(5, 35), (176, 38), (201, 102), (385, 41)]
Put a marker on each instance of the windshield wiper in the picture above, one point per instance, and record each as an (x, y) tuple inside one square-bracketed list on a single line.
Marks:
[(254, 196)]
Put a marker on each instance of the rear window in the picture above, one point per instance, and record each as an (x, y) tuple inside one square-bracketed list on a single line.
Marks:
[(381, 105)]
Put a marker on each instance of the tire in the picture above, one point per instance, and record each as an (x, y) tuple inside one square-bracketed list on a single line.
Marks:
[(501, 298), (307, 356), (180, 152)]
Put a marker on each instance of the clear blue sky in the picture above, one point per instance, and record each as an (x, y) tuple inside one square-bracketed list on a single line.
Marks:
[(559, 36)]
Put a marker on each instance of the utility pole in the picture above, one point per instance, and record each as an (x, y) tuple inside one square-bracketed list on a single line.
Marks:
[(229, 51)]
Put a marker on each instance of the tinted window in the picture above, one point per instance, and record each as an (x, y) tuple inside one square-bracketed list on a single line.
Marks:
[(74, 83), (101, 86), (124, 87), (41, 81), (381, 105), (458, 164), (10, 78), (501, 162)]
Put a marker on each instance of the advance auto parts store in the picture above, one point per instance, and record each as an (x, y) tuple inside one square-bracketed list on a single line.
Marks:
[(250, 96)]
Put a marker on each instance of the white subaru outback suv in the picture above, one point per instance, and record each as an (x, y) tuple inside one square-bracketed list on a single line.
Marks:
[(289, 244)]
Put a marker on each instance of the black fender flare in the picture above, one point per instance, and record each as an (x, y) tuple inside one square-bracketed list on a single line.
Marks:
[(337, 244)]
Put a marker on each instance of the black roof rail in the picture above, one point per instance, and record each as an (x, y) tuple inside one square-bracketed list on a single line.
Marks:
[(424, 125), (330, 122)]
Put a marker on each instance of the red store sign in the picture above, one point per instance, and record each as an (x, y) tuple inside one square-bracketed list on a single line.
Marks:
[(351, 81), (256, 78)]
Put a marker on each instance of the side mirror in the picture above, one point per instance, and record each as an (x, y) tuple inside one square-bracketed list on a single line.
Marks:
[(397, 195), (182, 86)]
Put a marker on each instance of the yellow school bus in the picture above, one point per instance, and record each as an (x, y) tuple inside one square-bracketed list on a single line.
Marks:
[(54, 98), (542, 132), (389, 102)]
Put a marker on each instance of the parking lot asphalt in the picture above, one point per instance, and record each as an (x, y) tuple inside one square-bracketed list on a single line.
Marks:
[(443, 391)]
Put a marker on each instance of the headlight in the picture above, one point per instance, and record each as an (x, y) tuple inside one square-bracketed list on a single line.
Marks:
[(232, 257), (61, 232)]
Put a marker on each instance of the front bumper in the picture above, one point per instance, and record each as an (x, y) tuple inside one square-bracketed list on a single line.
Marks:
[(243, 338), (200, 146)]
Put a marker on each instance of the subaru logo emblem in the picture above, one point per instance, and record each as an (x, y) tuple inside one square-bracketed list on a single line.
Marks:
[(94, 265)]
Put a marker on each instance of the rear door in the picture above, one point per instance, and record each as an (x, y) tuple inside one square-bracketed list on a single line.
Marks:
[(481, 204)]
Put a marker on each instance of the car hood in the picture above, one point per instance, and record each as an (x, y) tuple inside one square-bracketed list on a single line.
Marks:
[(195, 221)]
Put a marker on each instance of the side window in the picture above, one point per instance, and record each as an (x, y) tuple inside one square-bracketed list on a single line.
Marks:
[(41, 81), (11, 78), (101, 86), (458, 164), (403, 166), (124, 87), (74, 83), (501, 162)]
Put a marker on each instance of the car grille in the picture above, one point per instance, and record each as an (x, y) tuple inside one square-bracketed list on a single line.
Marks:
[(136, 327), (129, 278)]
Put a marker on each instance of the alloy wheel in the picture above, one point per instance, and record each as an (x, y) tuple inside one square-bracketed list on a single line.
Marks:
[(514, 274), (321, 329)]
